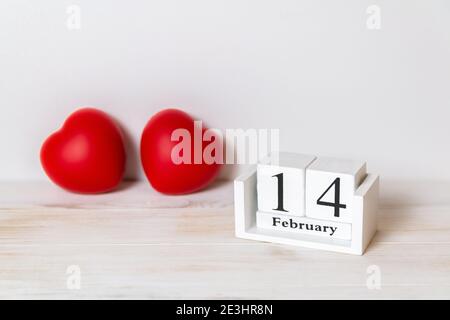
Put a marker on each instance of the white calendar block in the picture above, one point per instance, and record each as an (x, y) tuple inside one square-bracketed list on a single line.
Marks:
[(330, 188), (281, 183), (302, 225), (253, 225)]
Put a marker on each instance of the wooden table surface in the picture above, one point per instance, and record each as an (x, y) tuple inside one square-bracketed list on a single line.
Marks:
[(135, 243)]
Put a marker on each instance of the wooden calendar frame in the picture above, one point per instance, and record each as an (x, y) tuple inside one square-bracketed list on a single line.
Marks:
[(364, 221)]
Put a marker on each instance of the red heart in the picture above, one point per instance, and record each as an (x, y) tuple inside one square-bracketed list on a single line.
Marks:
[(156, 155), (87, 155)]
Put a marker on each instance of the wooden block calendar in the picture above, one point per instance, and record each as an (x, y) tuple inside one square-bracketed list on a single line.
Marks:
[(309, 201)]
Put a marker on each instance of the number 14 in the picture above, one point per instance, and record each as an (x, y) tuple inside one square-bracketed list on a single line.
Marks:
[(337, 195)]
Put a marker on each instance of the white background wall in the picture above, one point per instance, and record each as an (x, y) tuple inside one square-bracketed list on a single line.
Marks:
[(311, 68)]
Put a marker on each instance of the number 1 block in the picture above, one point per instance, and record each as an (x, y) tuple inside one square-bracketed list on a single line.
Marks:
[(331, 185), (281, 183)]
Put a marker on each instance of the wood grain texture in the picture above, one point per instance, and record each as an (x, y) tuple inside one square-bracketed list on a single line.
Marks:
[(136, 243)]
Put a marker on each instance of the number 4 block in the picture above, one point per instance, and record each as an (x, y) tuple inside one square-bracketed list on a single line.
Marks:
[(331, 185), (281, 183)]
